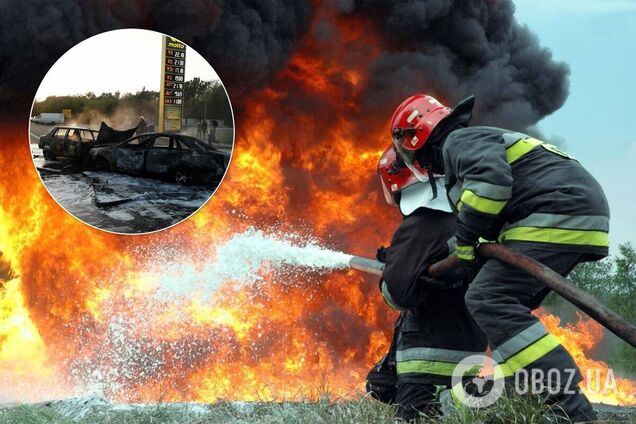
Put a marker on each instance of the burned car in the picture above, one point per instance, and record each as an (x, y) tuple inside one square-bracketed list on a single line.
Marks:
[(70, 142), (75, 142), (175, 157)]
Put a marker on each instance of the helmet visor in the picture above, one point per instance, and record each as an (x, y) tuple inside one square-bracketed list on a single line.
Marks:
[(408, 157), (390, 199)]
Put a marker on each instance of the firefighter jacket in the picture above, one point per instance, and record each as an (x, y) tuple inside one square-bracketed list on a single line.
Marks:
[(510, 187), (436, 331), (420, 240)]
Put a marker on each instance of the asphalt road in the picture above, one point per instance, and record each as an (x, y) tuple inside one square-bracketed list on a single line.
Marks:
[(38, 130)]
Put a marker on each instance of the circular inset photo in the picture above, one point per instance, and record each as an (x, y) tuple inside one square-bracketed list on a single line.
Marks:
[(131, 131)]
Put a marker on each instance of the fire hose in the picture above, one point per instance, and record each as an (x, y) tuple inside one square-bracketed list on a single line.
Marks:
[(561, 285)]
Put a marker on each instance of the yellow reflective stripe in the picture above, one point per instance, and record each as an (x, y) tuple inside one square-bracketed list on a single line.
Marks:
[(483, 204), (520, 148), (429, 367), (530, 354), (466, 253), (556, 235)]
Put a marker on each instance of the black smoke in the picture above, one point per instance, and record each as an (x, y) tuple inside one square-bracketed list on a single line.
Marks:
[(449, 48), (246, 41), (455, 48)]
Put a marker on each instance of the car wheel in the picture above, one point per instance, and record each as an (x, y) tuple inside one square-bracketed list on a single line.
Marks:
[(183, 177), (101, 164), (51, 123), (48, 155)]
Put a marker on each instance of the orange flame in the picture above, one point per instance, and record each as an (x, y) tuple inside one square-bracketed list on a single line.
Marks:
[(599, 384)]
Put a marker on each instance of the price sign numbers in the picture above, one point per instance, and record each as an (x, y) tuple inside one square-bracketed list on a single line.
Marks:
[(172, 101), (173, 85), (175, 69), (177, 78), (171, 53), (177, 62)]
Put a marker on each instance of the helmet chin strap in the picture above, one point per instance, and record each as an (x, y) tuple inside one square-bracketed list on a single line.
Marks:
[(437, 159), (431, 177), (431, 159)]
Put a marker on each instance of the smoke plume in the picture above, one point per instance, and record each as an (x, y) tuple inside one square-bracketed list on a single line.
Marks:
[(457, 48), (245, 41)]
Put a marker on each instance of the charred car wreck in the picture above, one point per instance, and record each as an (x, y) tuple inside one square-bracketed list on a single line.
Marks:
[(75, 142), (69, 142), (174, 157), (167, 156)]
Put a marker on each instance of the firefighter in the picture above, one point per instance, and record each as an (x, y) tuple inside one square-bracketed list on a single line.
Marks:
[(435, 330), (511, 188)]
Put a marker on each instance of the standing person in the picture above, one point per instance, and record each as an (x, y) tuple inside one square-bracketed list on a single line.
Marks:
[(435, 330), (142, 127), (526, 194), (212, 135), (199, 129), (204, 130)]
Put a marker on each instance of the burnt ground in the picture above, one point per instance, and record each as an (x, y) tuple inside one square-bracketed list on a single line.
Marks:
[(116, 202)]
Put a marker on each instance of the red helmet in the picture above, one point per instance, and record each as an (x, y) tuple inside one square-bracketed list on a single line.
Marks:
[(414, 120), (395, 176)]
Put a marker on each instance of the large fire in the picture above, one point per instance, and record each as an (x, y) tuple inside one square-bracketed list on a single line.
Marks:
[(600, 384), (82, 310)]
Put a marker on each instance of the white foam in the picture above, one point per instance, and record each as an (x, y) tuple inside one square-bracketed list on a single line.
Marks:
[(179, 275), (244, 254), (243, 259)]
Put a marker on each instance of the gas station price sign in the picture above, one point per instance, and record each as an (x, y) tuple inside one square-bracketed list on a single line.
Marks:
[(172, 84)]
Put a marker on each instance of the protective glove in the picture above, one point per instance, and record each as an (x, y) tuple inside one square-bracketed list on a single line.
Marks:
[(470, 269), (380, 254), (472, 262), (467, 241)]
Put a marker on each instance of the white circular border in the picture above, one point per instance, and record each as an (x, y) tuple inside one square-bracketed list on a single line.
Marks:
[(229, 163), (469, 363)]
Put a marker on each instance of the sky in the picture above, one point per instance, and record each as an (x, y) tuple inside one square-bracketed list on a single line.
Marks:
[(124, 60), (597, 39)]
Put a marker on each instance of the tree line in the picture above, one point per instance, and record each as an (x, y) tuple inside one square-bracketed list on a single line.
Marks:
[(613, 281), (200, 98)]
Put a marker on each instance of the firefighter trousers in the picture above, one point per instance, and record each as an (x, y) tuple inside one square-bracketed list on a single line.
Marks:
[(411, 400), (501, 299), (427, 344)]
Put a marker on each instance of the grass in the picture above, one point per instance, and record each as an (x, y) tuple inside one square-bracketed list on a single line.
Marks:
[(364, 410)]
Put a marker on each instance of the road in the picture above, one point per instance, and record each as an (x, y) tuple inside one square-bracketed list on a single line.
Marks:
[(114, 202)]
